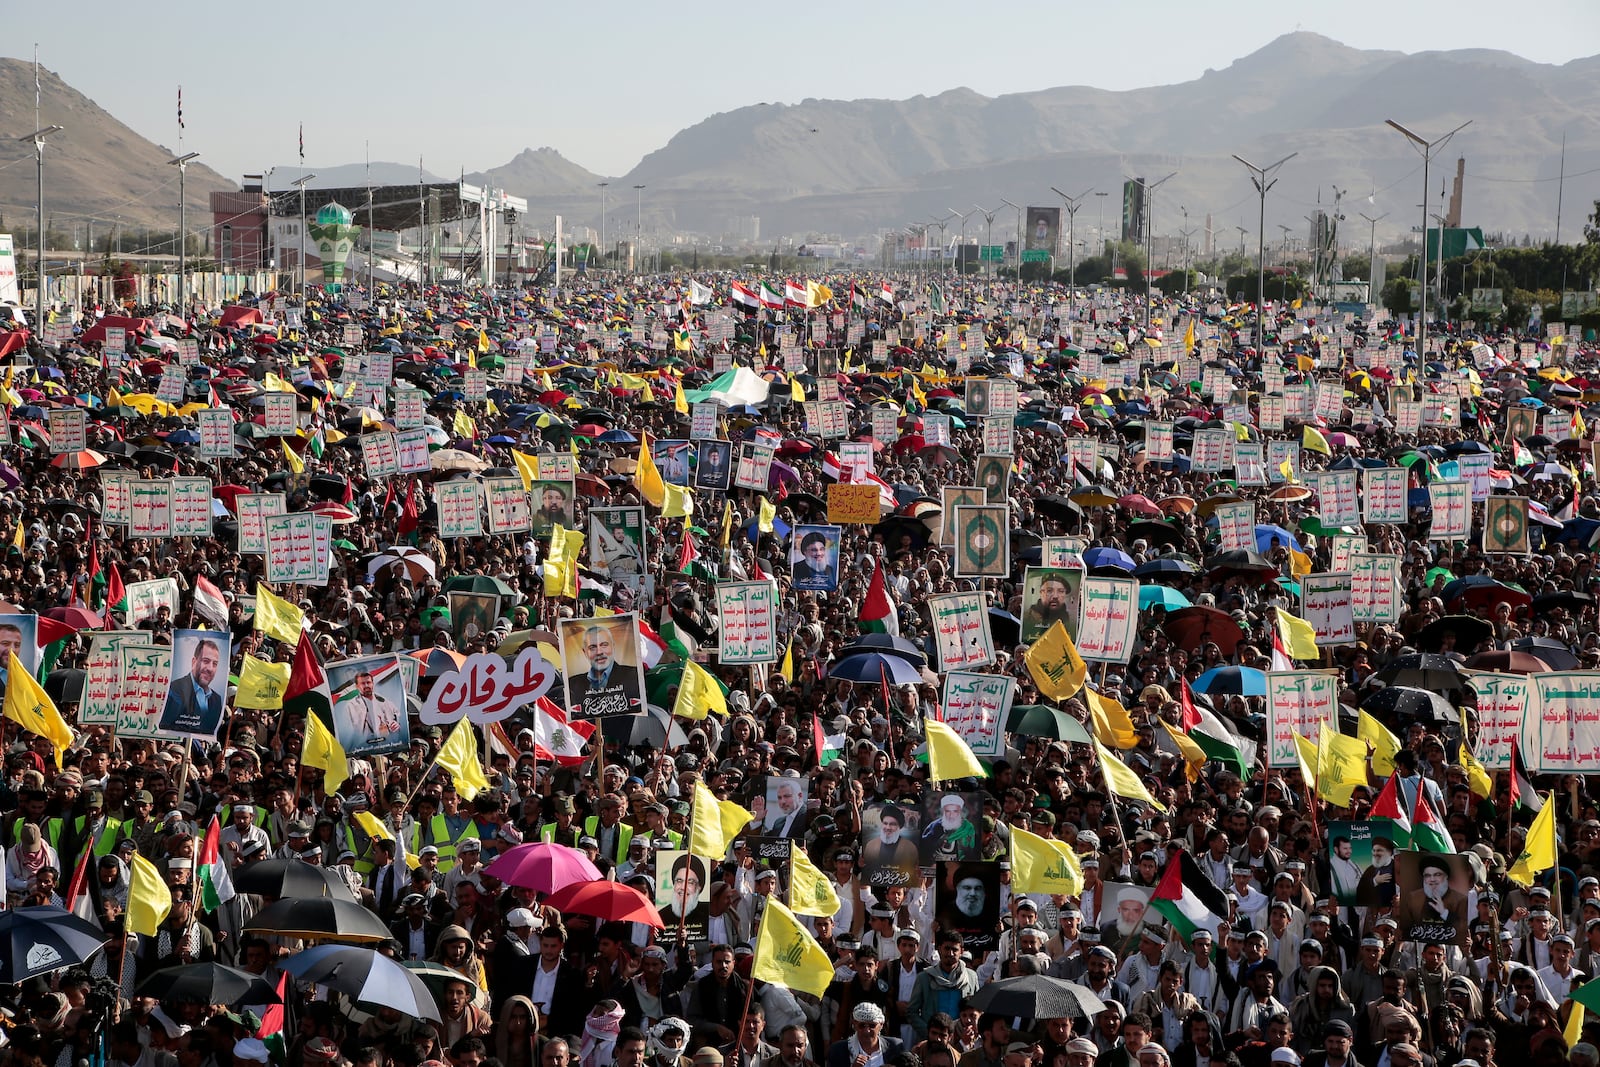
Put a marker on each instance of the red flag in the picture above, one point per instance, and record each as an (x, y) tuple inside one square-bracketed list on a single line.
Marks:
[(77, 899), (1190, 717), (388, 498), (819, 741), (408, 514), (116, 597), (688, 553)]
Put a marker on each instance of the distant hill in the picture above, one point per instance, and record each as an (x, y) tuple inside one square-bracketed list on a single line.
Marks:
[(539, 174), (95, 169)]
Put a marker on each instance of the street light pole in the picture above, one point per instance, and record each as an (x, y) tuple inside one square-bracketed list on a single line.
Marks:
[(638, 225), (1187, 233), (1438, 265), (182, 163), (37, 137), (1372, 251), (1149, 244), (1018, 210), (943, 222), (1259, 178), (988, 217), (963, 244), (300, 183), (1426, 147), (603, 222), (1073, 203)]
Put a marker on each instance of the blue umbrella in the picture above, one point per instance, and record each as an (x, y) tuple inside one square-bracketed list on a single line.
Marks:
[(618, 437), (1233, 681), (1161, 596), (183, 437), (874, 667), (1266, 534), (1108, 557), (42, 939)]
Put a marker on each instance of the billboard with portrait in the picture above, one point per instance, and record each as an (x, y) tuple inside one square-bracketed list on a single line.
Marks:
[(1431, 897), (1043, 230), (950, 828), (369, 705), (472, 615), (198, 690), (683, 894), (714, 466), (19, 633), (786, 813), (1124, 914), (814, 558), (673, 459), (889, 854), (617, 546), (552, 505), (1350, 854), (1048, 594), (967, 900), (602, 665)]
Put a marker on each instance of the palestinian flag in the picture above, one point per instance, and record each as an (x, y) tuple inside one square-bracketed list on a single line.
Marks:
[(216, 885), (77, 898), (272, 1021), (52, 637), (307, 691), (1522, 791), (1218, 742), (1427, 832), (878, 615), (1189, 718), (116, 597), (829, 747), (1387, 806), (1187, 898)]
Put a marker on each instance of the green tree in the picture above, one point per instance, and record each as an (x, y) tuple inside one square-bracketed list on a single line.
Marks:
[(1357, 267), (1397, 296)]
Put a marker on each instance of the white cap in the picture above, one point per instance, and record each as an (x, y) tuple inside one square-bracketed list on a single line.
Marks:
[(1285, 1055), (250, 1049)]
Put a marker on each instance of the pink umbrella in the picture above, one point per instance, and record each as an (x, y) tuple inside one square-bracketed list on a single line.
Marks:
[(542, 866)]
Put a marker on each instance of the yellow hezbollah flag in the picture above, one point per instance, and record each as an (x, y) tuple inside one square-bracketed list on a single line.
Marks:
[(527, 467), (1539, 850), (1306, 754), (677, 501), (19, 540), (1384, 744), (459, 756), (1121, 780), (715, 823), (28, 705), (1299, 564), (1341, 765), (1188, 339), (948, 755), (296, 465), (797, 391), (787, 954), (786, 668), (1574, 1031), (680, 401), (1043, 865), (1055, 665), (698, 693), (321, 749), (374, 828), (1477, 775), (647, 478), (276, 617), (261, 684), (769, 511), (463, 425), (1299, 636), (1194, 757), (1112, 723), (727, 521), (149, 899), (810, 891)]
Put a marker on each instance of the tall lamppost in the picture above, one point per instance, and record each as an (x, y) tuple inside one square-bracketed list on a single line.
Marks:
[(1149, 244), (638, 225), (988, 217), (1259, 177), (1018, 210), (1372, 251), (603, 222), (1101, 196), (300, 183), (182, 163), (1072, 204), (37, 137), (943, 222), (1426, 147), (963, 244)]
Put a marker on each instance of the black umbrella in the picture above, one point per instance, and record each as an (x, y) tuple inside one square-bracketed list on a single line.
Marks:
[(65, 686), (1559, 656), (1058, 507), (319, 919), (1005, 628), (1154, 530), (1565, 599), (1407, 702), (1470, 631), (290, 878), (889, 644), (1037, 996), (207, 983), (1424, 670), (43, 939)]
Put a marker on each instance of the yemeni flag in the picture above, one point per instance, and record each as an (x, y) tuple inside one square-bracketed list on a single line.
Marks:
[(307, 691), (78, 899), (1188, 899), (216, 885), (742, 296), (1189, 718), (1522, 791), (1427, 832), (886, 293), (1387, 806), (878, 615), (209, 602)]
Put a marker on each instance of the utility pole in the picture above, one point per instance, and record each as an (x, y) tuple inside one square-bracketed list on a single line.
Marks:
[(1426, 147), (1149, 242), (1072, 204), (603, 245), (1260, 178), (300, 183), (1372, 251), (182, 163), (37, 137)]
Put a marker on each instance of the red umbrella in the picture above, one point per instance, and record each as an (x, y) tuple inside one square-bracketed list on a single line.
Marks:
[(1140, 504), (84, 460), (77, 618), (337, 512), (609, 901), (1192, 627), (1508, 662)]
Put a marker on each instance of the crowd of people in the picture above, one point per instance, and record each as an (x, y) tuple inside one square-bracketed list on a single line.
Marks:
[(1304, 960)]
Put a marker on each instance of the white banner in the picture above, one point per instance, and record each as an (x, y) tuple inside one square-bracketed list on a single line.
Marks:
[(1298, 702), (1109, 620), (976, 707), (961, 630)]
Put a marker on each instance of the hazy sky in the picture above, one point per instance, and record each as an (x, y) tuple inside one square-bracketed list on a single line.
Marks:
[(606, 83)]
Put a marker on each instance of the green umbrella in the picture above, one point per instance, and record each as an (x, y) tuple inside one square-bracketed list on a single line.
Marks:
[(1041, 720), (1312, 525), (480, 583), (1436, 573)]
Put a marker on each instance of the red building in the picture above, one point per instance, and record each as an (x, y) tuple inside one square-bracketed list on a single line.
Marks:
[(239, 236)]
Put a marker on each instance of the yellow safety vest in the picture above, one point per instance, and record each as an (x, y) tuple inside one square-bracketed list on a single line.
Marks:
[(438, 837), (591, 827)]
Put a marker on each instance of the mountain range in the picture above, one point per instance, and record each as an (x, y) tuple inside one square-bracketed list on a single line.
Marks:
[(849, 167)]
